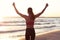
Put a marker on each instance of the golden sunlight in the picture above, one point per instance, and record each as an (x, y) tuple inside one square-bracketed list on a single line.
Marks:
[(6, 8)]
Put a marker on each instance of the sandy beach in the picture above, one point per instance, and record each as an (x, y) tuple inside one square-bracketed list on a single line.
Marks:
[(52, 35)]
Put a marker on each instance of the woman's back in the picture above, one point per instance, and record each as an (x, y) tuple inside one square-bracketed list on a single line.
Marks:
[(30, 22)]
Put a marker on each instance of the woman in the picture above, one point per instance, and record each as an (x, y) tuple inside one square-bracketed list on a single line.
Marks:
[(30, 32)]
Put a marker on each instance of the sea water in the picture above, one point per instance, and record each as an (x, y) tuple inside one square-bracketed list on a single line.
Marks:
[(13, 28)]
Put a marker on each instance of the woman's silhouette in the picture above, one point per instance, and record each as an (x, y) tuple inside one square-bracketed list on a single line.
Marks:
[(30, 32)]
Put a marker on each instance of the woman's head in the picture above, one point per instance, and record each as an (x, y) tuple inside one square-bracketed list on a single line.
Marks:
[(30, 11)]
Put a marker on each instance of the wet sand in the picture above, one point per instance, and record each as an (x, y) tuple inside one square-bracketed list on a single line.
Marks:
[(53, 35)]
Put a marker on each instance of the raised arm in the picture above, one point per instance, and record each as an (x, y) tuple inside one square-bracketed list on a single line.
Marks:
[(37, 15), (24, 16)]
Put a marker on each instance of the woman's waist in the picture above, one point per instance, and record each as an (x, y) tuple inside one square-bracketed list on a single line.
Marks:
[(30, 26)]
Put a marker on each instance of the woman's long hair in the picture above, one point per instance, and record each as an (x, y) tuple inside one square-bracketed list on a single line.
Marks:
[(30, 12)]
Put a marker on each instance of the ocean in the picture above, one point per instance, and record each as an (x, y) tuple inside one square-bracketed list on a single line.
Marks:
[(13, 28)]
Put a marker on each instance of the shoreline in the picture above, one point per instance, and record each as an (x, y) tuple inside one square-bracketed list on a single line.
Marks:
[(46, 35)]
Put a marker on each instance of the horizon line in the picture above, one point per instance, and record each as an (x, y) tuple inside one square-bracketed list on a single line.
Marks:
[(21, 17)]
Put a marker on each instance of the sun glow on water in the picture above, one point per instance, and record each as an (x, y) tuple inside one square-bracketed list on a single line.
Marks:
[(1, 19)]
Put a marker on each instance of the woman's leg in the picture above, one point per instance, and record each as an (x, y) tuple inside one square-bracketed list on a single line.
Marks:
[(33, 37), (33, 34), (27, 35)]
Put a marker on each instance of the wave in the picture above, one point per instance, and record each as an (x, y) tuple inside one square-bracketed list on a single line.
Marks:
[(12, 31), (38, 22)]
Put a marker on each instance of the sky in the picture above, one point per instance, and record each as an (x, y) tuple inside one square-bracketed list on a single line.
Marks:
[(7, 10)]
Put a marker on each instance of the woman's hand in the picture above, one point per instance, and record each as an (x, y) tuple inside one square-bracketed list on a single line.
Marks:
[(13, 3), (46, 4)]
